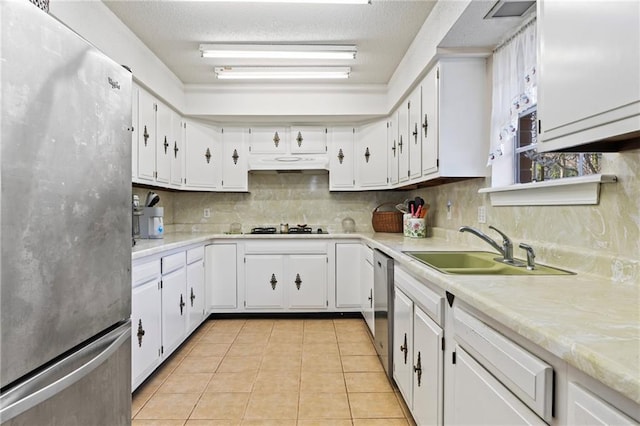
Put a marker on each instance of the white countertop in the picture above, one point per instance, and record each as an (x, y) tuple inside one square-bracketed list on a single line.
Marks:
[(590, 322)]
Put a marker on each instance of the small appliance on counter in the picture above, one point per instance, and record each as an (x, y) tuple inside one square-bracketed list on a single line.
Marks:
[(151, 221)]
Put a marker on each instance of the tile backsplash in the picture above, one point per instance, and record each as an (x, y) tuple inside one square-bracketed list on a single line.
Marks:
[(603, 239)]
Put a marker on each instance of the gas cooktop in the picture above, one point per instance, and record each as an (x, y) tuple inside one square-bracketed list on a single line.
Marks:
[(291, 230)]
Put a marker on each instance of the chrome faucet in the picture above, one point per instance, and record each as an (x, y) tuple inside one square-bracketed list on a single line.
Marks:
[(506, 250)]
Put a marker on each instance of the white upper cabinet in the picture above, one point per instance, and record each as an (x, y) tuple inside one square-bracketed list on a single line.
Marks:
[(234, 160), (203, 161), (135, 92), (415, 133), (461, 117), (177, 150), (146, 137), (371, 154), (589, 71), (430, 122), (308, 140), (164, 134), (403, 143), (268, 140), (392, 148), (341, 159)]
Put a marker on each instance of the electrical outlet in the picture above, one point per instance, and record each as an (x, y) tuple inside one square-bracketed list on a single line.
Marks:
[(482, 214), (206, 213)]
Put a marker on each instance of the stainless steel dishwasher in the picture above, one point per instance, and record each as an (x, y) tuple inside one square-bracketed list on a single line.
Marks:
[(383, 309)]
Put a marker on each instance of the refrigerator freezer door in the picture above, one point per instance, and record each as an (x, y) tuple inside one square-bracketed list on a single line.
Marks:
[(89, 387), (66, 190)]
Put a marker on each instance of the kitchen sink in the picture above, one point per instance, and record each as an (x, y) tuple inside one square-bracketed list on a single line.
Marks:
[(477, 263)]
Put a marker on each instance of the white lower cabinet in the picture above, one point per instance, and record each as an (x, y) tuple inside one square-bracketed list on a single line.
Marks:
[(264, 281), (146, 321), (221, 276), (479, 399), (286, 275), (418, 367), (585, 408), (366, 286), (307, 281), (174, 301), (195, 288), (348, 275)]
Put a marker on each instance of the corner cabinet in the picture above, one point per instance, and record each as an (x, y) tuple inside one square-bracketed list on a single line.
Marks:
[(596, 95), (196, 312), (366, 287)]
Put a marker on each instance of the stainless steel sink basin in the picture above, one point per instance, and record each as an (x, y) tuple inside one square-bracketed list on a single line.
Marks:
[(477, 263)]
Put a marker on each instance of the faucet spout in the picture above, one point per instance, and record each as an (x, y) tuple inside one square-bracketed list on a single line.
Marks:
[(478, 233)]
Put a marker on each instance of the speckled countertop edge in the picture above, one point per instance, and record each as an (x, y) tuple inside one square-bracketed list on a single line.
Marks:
[(591, 323)]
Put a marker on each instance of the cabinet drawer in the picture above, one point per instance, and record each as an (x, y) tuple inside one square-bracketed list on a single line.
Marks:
[(527, 376), (287, 247), (145, 272), (430, 301), (172, 262), (195, 254)]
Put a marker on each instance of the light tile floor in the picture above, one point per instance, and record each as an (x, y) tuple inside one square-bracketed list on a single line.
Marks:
[(272, 372)]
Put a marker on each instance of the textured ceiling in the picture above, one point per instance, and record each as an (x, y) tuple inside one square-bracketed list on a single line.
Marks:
[(173, 30)]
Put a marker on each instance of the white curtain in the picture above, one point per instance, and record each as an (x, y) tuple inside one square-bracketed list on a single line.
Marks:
[(514, 90)]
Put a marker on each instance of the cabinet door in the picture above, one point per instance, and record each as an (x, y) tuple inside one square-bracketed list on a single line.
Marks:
[(392, 148), (264, 281), (221, 276), (587, 409), (177, 150), (366, 287), (427, 370), (430, 122), (235, 175), (146, 330), (596, 94), (371, 154), (146, 137), (174, 309), (341, 159), (479, 399), (403, 345), (307, 281), (347, 275), (268, 140), (403, 143), (135, 93), (308, 140), (415, 133), (163, 143), (195, 295), (203, 157)]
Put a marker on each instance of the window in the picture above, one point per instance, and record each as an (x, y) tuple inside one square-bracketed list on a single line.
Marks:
[(531, 166)]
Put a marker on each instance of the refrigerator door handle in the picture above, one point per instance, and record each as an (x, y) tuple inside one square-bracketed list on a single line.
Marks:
[(62, 374)]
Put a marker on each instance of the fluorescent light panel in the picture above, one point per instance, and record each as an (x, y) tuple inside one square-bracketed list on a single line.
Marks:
[(298, 1), (281, 73), (278, 51)]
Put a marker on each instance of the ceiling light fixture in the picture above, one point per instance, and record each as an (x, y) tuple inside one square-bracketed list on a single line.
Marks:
[(281, 73), (299, 1), (278, 51)]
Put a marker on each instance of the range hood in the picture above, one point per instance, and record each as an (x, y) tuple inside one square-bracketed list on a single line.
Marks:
[(288, 162)]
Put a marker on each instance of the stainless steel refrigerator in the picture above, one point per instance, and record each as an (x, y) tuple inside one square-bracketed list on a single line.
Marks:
[(65, 294)]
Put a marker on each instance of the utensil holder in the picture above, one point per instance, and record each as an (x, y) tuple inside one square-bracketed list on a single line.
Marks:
[(414, 227)]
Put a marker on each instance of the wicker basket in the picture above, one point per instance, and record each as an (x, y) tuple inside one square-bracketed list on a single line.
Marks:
[(386, 221)]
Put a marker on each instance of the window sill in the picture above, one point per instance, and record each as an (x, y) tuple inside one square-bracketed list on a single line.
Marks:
[(583, 190)]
